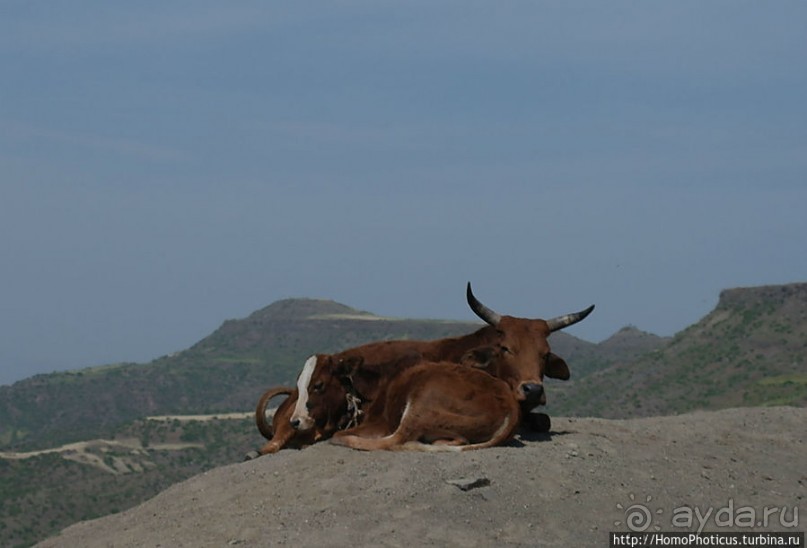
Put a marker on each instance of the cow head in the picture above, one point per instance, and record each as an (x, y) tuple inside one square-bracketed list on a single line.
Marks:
[(518, 351), (321, 400)]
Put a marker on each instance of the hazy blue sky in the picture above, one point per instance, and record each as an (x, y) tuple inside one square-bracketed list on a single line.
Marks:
[(165, 166)]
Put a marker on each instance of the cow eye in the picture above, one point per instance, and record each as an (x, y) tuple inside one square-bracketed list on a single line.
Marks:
[(318, 387), (506, 350)]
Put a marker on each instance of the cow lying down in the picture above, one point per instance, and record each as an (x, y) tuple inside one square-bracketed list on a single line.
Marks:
[(278, 430), (336, 414), (336, 407), (514, 350), (429, 407), (436, 407)]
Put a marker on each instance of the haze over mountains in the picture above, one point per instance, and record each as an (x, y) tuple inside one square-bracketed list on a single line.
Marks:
[(751, 350)]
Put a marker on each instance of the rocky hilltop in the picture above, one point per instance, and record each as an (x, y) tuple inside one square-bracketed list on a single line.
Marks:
[(307, 309), (570, 487), (765, 295)]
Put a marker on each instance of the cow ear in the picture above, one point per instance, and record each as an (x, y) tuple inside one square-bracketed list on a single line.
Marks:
[(479, 357), (556, 368), (348, 365)]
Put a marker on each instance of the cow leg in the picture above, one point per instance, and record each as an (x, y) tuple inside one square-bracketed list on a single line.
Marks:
[(269, 447), (448, 428), (368, 444), (274, 445), (372, 428), (537, 422), (461, 432), (284, 436), (411, 434), (373, 435), (405, 437), (443, 437), (448, 441)]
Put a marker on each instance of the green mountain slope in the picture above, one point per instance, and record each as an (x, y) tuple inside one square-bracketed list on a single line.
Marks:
[(750, 350), (40, 494)]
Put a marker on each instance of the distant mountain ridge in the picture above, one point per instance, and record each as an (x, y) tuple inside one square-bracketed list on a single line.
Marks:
[(790, 296), (307, 309), (629, 343), (750, 350)]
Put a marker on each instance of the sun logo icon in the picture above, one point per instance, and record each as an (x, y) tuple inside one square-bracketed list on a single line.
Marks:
[(638, 516)]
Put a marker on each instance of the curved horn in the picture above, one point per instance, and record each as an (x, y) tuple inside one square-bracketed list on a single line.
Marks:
[(480, 309), (569, 319), (263, 422)]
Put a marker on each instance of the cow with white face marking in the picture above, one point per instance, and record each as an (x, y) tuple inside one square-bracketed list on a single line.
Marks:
[(279, 431)]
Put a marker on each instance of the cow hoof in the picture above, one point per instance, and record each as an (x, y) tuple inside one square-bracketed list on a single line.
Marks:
[(251, 455), (539, 422)]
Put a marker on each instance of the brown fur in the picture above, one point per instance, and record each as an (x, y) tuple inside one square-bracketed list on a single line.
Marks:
[(516, 352), (280, 432), (436, 407)]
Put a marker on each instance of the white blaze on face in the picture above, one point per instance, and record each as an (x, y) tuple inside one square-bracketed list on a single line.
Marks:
[(300, 410)]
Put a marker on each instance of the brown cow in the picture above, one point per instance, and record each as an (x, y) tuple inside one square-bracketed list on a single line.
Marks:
[(279, 431), (337, 408), (436, 407), (513, 349)]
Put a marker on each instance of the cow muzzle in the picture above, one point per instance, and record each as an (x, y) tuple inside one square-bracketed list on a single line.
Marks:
[(302, 423), (532, 393)]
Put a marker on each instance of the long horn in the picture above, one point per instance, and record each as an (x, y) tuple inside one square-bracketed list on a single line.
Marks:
[(263, 422), (569, 319), (481, 310)]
